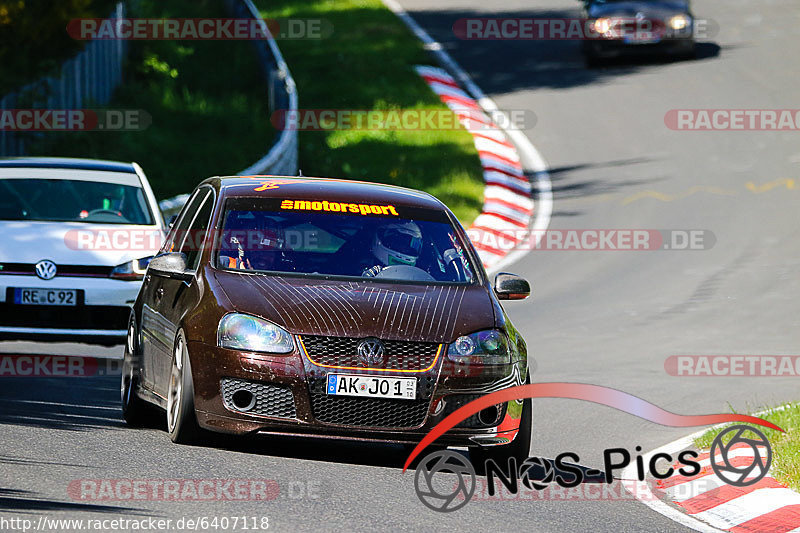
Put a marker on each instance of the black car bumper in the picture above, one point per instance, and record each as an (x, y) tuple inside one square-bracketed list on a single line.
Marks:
[(610, 48)]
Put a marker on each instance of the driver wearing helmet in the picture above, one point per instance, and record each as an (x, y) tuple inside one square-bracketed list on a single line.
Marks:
[(397, 243)]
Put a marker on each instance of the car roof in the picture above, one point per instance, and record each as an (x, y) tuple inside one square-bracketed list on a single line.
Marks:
[(337, 190), (67, 163)]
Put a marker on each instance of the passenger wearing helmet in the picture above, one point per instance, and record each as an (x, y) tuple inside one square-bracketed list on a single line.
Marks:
[(397, 243), (250, 242)]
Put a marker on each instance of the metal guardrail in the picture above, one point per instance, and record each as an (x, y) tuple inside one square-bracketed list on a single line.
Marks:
[(91, 77), (282, 93), (282, 157), (88, 79)]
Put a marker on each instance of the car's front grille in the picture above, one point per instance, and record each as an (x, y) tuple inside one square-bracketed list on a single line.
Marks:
[(60, 317), (270, 399), (83, 271), (622, 26), (369, 412), (343, 352)]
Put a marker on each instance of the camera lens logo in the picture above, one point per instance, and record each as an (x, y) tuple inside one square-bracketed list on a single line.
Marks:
[(445, 481), (537, 473), (735, 465)]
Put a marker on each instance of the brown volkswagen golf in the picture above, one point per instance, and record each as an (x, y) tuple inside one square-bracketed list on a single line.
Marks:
[(324, 308)]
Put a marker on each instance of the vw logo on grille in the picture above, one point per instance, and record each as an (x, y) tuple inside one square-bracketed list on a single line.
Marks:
[(46, 269), (371, 351)]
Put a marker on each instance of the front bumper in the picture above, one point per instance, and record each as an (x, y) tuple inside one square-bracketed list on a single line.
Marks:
[(294, 388), (100, 316), (609, 48)]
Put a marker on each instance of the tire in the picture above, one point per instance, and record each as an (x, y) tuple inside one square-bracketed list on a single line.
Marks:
[(591, 60), (135, 411), (519, 448), (181, 417)]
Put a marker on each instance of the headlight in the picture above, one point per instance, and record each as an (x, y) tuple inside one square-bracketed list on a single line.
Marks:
[(251, 334), (489, 347), (132, 270), (680, 22), (602, 25)]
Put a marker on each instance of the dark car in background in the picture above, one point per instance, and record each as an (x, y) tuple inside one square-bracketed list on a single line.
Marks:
[(326, 308), (625, 27)]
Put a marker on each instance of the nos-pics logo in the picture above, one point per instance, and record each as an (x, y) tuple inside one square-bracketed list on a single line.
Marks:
[(445, 481)]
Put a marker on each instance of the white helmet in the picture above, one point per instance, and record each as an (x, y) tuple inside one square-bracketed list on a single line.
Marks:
[(398, 243)]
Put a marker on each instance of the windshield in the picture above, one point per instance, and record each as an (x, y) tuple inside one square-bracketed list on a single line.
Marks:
[(72, 201), (323, 238)]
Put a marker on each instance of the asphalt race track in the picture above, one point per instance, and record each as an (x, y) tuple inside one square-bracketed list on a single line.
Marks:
[(602, 317)]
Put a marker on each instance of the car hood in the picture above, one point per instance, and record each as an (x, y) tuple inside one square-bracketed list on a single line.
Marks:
[(75, 243), (432, 313), (630, 9)]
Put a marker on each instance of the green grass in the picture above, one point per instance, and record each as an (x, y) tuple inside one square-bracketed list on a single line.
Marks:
[(366, 63), (207, 99), (785, 446), (210, 113)]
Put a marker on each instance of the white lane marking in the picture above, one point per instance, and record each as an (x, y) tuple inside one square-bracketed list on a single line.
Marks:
[(441, 88), (496, 223), (493, 192), (488, 145), (740, 510), (494, 161), (486, 132), (739, 452), (697, 486), (489, 256), (530, 155)]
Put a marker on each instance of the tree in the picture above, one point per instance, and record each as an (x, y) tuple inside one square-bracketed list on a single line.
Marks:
[(34, 40)]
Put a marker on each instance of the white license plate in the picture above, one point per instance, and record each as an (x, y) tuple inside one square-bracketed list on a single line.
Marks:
[(45, 297), (372, 386), (642, 38)]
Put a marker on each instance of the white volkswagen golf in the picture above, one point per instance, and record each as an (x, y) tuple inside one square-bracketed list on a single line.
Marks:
[(76, 236)]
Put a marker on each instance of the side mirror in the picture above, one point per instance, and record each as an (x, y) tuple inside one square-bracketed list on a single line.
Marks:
[(170, 265), (511, 287)]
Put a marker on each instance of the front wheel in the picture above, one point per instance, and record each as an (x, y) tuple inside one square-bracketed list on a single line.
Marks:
[(519, 448), (181, 418)]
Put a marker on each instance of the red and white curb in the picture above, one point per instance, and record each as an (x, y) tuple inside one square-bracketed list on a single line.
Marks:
[(709, 504), (502, 162), (507, 203)]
